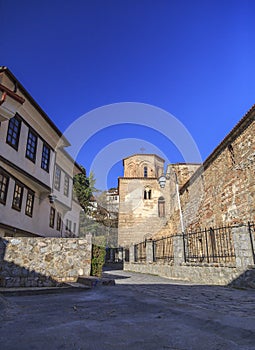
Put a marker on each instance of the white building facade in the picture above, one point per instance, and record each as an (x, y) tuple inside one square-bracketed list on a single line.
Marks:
[(112, 201), (36, 173)]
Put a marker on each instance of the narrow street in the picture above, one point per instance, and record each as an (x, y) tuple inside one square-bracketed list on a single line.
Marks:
[(139, 312)]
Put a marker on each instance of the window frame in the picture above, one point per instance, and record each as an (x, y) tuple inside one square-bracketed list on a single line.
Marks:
[(57, 178), (30, 203), (66, 185), (161, 207), (145, 171), (31, 153), (52, 217), (19, 195), (147, 193), (45, 160), (68, 226), (59, 222), (4, 187), (11, 132)]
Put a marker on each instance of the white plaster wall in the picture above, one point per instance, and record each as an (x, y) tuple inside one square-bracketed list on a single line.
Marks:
[(19, 157)]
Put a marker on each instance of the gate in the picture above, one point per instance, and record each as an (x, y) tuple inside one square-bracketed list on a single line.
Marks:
[(114, 255)]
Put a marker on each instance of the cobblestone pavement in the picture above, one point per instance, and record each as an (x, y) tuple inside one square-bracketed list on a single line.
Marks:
[(208, 298), (129, 277), (142, 312)]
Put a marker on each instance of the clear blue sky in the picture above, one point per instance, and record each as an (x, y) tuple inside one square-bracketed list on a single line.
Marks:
[(193, 58)]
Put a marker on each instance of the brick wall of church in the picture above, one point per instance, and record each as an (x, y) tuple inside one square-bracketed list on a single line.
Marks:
[(139, 194), (222, 191), (134, 165), (139, 217)]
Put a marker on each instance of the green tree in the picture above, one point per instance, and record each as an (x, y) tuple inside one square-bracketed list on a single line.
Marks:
[(84, 188), (97, 216)]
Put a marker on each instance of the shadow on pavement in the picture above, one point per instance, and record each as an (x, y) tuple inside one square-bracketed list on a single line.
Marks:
[(138, 316)]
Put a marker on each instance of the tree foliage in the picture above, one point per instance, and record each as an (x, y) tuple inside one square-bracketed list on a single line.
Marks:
[(98, 216), (84, 188), (97, 261)]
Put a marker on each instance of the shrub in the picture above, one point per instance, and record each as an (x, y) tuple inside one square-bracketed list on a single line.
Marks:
[(97, 261)]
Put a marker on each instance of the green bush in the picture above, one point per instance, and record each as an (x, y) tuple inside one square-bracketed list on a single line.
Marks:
[(97, 261)]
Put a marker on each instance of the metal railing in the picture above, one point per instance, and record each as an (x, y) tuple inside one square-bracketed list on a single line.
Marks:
[(213, 245), (163, 249), (140, 252), (251, 227)]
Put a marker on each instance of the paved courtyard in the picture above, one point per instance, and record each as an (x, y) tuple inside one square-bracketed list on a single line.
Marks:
[(139, 312)]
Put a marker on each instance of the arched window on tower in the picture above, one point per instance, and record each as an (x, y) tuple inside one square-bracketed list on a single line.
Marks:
[(145, 171), (161, 207), (147, 193)]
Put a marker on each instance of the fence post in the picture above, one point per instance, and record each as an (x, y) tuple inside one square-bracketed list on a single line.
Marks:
[(179, 253), (184, 246), (206, 242), (132, 253), (242, 244), (149, 251), (251, 227), (120, 254)]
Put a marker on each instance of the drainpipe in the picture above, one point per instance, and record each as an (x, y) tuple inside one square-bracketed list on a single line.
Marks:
[(180, 213), (179, 203)]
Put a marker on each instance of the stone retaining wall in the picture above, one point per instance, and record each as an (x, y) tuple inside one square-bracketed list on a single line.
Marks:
[(39, 262), (211, 275), (241, 273)]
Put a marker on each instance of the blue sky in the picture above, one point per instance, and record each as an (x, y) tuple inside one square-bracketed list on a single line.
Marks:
[(193, 59)]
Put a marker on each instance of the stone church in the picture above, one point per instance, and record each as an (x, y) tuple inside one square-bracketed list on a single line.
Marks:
[(219, 192), (145, 206)]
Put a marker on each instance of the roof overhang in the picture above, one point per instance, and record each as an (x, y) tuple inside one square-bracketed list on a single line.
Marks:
[(63, 141), (9, 103)]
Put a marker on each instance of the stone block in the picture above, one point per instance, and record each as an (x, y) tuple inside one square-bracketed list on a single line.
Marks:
[(56, 248)]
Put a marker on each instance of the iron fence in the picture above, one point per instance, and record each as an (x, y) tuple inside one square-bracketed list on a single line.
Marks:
[(251, 227), (140, 252), (213, 245), (163, 250)]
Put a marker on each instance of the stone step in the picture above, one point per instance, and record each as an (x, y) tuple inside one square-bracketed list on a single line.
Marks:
[(92, 281)]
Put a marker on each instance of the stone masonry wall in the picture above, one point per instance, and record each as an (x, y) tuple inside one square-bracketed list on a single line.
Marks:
[(227, 184), (138, 217), (240, 273), (139, 194), (39, 262), (222, 190), (195, 274), (134, 165), (183, 172)]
